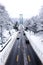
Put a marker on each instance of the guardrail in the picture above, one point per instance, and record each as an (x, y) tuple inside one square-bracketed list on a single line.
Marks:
[(6, 49), (38, 50), (4, 45)]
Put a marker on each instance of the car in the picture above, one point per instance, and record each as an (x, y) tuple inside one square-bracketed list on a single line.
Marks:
[(26, 28), (27, 41)]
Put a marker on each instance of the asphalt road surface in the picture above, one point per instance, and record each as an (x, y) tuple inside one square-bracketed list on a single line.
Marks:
[(22, 52)]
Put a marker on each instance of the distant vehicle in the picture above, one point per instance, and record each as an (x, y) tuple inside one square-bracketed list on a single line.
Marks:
[(27, 41), (26, 28)]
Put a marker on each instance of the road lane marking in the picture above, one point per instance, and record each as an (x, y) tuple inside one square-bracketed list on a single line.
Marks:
[(17, 58), (28, 58)]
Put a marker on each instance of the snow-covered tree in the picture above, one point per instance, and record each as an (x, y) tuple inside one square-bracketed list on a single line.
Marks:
[(4, 17), (40, 24), (5, 21)]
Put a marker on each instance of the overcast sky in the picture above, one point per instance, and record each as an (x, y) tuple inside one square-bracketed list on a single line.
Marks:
[(28, 8)]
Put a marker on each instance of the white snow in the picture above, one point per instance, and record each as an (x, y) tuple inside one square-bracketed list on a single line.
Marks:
[(6, 33), (6, 37), (36, 43)]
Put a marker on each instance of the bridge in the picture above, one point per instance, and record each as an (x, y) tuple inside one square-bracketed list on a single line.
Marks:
[(22, 48)]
